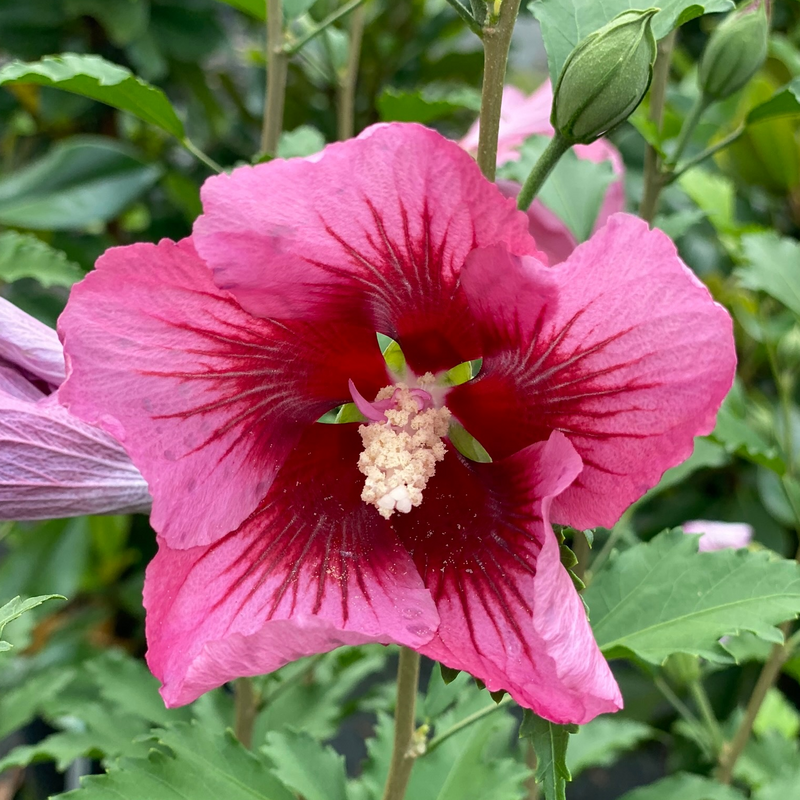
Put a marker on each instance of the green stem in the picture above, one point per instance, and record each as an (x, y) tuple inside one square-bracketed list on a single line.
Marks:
[(466, 15), (465, 723), (404, 722), (496, 44), (707, 153), (678, 704), (345, 107), (658, 92), (246, 702), (291, 48), (622, 527), (689, 124), (277, 74), (707, 713), (556, 148), (200, 155)]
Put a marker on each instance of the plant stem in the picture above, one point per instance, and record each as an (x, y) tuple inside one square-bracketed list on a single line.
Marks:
[(707, 713), (466, 15), (200, 155), (404, 717), (291, 48), (707, 153), (556, 148), (246, 703), (496, 44), (658, 93), (465, 723), (622, 528), (345, 107), (531, 761), (731, 751), (277, 73), (677, 704), (689, 124)]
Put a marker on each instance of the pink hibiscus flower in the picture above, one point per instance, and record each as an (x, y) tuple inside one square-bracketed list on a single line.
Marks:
[(720, 535), (214, 358), (524, 116), (51, 463)]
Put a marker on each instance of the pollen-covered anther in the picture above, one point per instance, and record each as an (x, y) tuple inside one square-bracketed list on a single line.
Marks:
[(400, 454)]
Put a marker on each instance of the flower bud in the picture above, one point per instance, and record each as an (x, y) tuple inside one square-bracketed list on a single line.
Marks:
[(735, 52), (605, 77), (682, 668)]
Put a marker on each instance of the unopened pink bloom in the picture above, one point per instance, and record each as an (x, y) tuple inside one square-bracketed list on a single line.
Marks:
[(213, 358), (51, 463), (720, 535), (524, 116)]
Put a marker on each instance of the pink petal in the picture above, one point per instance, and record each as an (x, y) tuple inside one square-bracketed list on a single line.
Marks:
[(313, 568), (552, 236), (30, 345), (509, 612), (53, 465), (621, 348), (377, 229), (207, 400), (720, 535)]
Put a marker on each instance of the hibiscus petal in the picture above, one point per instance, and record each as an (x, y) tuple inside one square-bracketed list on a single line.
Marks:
[(377, 228), (509, 612), (53, 465), (206, 399), (30, 345), (313, 568), (719, 535), (620, 347)]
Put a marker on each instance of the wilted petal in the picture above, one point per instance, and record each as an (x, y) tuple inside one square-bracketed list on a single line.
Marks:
[(720, 535), (30, 345), (53, 465), (621, 348), (378, 228), (206, 399), (509, 612), (313, 568)]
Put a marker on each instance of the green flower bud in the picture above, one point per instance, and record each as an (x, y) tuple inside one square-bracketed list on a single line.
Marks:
[(605, 77), (735, 52), (682, 668)]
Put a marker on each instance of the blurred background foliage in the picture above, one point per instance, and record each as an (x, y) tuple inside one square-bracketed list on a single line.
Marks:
[(78, 177)]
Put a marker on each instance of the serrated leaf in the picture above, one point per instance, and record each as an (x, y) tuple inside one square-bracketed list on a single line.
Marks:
[(603, 740), (80, 182), (777, 714), (16, 607), (24, 256), (549, 742), (767, 759), (427, 104), (684, 786), (567, 22), (578, 210), (198, 764), (94, 77), (303, 141), (772, 265), (307, 767), (20, 704), (785, 102), (664, 597)]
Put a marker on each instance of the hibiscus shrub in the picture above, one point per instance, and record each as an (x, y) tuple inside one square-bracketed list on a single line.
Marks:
[(399, 399)]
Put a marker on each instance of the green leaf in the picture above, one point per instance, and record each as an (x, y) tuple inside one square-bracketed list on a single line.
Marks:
[(17, 607), (549, 742), (123, 20), (681, 222), (578, 210), (777, 714), (684, 786), (306, 767), (94, 77), (255, 8), (80, 183), (715, 196), (785, 102), (602, 741), (467, 444), (303, 141), (772, 265), (198, 763), (786, 787), (664, 597), (20, 704), (24, 256), (427, 104), (566, 22)]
